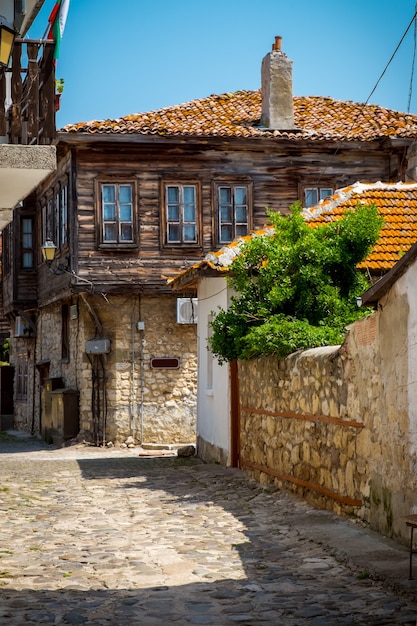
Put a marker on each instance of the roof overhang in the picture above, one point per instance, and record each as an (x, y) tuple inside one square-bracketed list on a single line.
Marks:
[(22, 168), (87, 139), (372, 295), (188, 279)]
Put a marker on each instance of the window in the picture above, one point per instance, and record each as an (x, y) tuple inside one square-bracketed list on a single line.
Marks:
[(181, 214), (61, 213), (232, 212), (22, 376), (7, 241), (116, 202), (27, 250), (313, 195), (54, 215)]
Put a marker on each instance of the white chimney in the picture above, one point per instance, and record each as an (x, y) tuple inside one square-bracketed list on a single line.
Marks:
[(277, 102)]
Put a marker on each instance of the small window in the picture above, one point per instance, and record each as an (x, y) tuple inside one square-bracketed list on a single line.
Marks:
[(181, 214), (233, 209), (27, 253), (116, 213), (313, 195)]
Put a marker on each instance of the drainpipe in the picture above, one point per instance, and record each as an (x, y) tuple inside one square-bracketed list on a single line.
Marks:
[(141, 328), (132, 386)]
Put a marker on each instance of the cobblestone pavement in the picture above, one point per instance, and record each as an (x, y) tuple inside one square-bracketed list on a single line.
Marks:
[(91, 536)]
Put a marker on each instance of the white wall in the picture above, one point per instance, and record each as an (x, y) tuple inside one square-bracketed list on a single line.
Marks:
[(213, 403), (410, 287)]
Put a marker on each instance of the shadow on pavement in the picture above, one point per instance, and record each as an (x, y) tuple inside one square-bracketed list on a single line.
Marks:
[(285, 574)]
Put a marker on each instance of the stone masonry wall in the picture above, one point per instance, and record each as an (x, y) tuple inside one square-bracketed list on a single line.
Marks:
[(152, 406), (319, 423)]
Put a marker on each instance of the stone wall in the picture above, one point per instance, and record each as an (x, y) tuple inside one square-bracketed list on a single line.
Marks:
[(150, 405), (321, 423)]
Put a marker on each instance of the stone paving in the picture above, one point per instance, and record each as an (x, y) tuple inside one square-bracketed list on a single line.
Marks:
[(99, 537)]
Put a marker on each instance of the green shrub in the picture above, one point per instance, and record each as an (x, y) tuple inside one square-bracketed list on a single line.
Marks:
[(296, 288)]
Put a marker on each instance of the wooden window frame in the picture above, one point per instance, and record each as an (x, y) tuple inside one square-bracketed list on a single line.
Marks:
[(54, 210), (232, 183), (118, 181), (181, 183), (323, 185), (27, 249)]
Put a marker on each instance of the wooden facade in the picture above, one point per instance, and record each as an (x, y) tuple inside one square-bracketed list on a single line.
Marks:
[(276, 174)]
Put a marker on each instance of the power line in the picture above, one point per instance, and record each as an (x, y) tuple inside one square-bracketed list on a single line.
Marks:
[(410, 93), (414, 19), (392, 56)]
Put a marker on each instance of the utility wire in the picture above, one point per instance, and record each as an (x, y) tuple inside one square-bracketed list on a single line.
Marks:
[(392, 56), (414, 19), (410, 93)]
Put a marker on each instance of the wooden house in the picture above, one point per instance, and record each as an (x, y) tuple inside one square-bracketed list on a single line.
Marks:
[(110, 348), (27, 133)]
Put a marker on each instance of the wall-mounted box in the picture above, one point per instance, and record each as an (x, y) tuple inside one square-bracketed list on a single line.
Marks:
[(97, 346)]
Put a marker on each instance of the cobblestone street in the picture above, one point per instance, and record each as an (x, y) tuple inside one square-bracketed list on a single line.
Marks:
[(91, 536)]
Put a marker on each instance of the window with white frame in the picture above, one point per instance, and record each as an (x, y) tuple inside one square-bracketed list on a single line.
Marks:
[(181, 214), (117, 218), (313, 195), (233, 211)]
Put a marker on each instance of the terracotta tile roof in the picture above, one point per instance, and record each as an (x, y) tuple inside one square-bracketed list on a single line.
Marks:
[(238, 115), (396, 202)]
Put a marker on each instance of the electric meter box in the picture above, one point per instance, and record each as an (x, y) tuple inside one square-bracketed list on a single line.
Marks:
[(97, 346)]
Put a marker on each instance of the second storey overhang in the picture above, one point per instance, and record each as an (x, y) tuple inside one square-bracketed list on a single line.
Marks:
[(22, 168)]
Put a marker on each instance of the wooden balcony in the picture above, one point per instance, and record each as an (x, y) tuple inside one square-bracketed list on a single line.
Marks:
[(27, 94)]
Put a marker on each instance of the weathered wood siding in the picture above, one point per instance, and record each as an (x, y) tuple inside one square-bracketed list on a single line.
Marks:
[(276, 173)]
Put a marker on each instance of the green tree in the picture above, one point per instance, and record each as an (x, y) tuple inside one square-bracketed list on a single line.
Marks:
[(297, 288)]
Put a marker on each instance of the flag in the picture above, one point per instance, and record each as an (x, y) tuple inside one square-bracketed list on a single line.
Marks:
[(57, 21)]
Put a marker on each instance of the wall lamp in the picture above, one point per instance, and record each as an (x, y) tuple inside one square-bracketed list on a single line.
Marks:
[(48, 254), (7, 36)]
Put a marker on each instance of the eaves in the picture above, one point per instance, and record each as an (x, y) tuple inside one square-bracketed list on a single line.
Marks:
[(372, 296), (258, 142)]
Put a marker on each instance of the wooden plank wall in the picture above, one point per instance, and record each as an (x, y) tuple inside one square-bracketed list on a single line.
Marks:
[(276, 171)]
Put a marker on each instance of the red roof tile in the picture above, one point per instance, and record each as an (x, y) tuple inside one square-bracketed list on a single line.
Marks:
[(238, 115), (396, 203)]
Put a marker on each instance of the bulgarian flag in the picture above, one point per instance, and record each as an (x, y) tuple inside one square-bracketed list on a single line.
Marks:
[(57, 21)]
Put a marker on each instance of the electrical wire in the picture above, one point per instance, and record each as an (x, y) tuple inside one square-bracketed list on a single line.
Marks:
[(337, 150), (410, 93), (392, 57)]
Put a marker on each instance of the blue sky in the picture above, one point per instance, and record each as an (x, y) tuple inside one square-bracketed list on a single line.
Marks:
[(140, 55)]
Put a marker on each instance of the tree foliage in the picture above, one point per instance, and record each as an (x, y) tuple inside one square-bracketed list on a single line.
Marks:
[(296, 288)]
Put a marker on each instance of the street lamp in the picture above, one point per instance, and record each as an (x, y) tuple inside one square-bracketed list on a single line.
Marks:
[(7, 36), (48, 254), (48, 251)]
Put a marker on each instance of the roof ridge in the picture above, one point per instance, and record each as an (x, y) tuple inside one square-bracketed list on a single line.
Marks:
[(345, 193)]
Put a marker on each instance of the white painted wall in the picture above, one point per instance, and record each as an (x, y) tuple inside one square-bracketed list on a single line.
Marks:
[(213, 399), (409, 284)]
